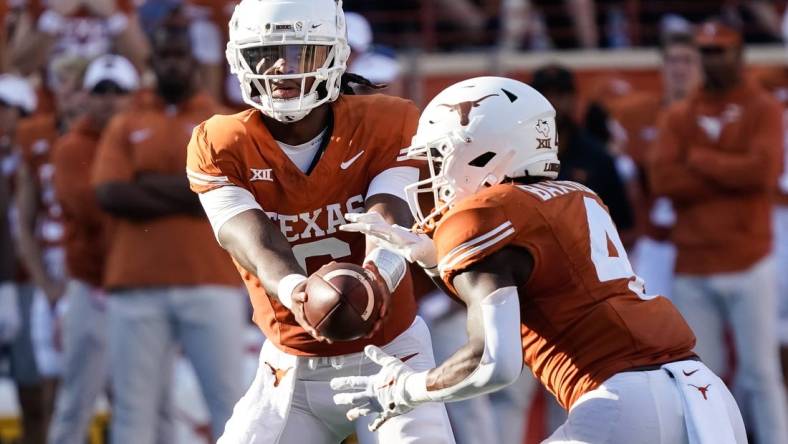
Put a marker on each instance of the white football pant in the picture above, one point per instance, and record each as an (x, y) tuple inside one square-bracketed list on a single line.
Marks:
[(290, 400)]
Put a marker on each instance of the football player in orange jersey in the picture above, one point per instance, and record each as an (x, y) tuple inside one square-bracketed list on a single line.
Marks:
[(275, 181), (546, 281)]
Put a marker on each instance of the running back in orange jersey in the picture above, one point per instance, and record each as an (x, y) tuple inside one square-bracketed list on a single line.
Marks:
[(309, 207), (585, 314)]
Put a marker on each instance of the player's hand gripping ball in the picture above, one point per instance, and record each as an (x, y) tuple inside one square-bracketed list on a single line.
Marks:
[(343, 301)]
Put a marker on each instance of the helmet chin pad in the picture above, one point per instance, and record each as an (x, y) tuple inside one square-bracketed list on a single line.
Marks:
[(287, 110)]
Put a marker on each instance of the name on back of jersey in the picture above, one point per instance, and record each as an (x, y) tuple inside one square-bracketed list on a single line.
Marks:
[(548, 190)]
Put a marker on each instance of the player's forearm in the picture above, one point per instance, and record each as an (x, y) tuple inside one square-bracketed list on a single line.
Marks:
[(172, 188), (260, 248), (26, 201), (457, 367), (737, 171), (31, 256), (491, 360), (678, 183), (131, 201)]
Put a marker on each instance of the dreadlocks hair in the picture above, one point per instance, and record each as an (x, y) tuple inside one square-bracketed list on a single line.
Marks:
[(349, 77)]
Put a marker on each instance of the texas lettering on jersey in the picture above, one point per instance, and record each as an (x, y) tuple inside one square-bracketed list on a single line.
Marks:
[(319, 222), (367, 136)]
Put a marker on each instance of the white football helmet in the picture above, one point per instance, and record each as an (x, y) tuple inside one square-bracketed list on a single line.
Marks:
[(475, 134), (287, 42)]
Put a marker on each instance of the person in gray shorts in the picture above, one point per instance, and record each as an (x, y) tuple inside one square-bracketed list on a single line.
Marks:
[(107, 83), (17, 101)]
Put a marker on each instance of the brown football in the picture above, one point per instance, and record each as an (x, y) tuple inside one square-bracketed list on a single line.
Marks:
[(343, 303)]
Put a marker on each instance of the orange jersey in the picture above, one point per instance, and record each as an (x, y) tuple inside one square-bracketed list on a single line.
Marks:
[(85, 224), (718, 158), (368, 135), (176, 250), (585, 315), (36, 137)]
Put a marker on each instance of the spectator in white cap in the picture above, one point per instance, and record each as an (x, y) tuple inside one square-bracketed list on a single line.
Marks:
[(17, 99), (17, 102), (108, 84), (370, 62), (16, 92)]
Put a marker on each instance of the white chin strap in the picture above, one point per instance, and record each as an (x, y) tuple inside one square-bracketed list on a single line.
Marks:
[(501, 362), (288, 110)]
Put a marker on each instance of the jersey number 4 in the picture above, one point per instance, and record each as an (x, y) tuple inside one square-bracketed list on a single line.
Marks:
[(607, 252)]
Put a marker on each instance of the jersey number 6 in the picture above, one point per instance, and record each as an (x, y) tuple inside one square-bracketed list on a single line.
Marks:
[(329, 246)]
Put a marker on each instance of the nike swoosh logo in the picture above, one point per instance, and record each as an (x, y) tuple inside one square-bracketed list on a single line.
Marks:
[(346, 164), (690, 373), (407, 358), (389, 383), (315, 26)]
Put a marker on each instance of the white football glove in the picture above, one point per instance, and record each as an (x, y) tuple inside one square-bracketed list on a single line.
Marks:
[(415, 247), (382, 393)]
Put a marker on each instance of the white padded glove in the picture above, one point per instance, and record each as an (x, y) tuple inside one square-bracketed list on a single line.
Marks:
[(382, 393), (415, 247)]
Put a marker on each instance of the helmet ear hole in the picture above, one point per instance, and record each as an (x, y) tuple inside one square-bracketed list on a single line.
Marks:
[(482, 160)]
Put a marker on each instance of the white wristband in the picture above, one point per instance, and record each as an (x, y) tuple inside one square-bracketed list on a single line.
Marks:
[(416, 388), (286, 286), (51, 22), (391, 266)]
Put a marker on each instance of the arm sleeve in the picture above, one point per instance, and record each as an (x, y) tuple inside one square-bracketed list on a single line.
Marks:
[(224, 203), (393, 181), (668, 174), (211, 165), (755, 168), (114, 161), (468, 236)]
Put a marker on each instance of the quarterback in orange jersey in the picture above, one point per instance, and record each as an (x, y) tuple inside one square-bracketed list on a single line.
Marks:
[(546, 281), (275, 181)]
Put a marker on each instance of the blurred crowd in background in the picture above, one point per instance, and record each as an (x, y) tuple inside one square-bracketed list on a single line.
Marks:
[(687, 152)]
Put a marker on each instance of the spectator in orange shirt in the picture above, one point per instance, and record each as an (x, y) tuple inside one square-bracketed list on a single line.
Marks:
[(39, 245), (168, 282), (107, 82), (653, 255), (717, 156), (17, 101)]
